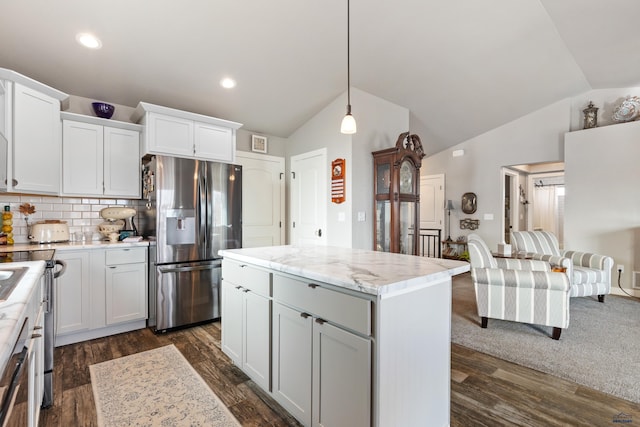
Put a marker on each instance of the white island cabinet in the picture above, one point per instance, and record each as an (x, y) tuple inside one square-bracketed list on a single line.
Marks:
[(358, 338)]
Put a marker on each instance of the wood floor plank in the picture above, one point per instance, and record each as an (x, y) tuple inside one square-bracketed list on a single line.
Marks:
[(485, 391)]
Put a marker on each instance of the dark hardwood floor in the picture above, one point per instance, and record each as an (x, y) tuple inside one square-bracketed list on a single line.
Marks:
[(485, 391)]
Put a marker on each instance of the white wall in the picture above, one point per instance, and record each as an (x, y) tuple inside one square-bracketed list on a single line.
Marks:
[(601, 203), (535, 138), (379, 124)]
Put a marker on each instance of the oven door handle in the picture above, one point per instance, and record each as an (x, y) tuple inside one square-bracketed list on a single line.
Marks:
[(7, 405), (63, 267)]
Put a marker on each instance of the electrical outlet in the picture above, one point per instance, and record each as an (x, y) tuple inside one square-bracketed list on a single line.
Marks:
[(621, 268)]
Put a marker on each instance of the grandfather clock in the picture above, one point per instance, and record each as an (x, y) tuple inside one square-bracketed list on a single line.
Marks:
[(396, 190)]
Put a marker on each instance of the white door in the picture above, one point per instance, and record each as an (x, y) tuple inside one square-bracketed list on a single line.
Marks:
[(432, 201), (309, 198), (431, 213), (263, 195)]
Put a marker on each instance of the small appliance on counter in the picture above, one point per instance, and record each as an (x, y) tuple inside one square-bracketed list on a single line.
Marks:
[(49, 231), (119, 219)]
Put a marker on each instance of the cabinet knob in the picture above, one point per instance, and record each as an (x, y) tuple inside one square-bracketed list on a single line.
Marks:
[(36, 336), (320, 321), (305, 315), (312, 285)]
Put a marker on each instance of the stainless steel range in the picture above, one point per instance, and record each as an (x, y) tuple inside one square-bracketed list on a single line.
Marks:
[(50, 273)]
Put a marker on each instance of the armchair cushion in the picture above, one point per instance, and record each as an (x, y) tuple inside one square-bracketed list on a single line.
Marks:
[(589, 274)]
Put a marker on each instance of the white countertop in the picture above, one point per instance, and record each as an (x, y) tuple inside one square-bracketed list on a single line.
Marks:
[(12, 311), (371, 272), (70, 246)]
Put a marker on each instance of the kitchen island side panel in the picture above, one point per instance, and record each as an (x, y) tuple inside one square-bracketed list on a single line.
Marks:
[(413, 357)]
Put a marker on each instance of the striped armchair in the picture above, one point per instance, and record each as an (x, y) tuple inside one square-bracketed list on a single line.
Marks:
[(589, 274), (518, 290)]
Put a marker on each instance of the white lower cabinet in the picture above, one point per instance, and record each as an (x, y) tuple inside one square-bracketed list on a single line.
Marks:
[(72, 308), (306, 343), (102, 292), (292, 359), (246, 322), (321, 371), (126, 285)]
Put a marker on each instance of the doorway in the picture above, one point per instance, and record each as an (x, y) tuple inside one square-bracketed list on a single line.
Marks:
[(533, 198)]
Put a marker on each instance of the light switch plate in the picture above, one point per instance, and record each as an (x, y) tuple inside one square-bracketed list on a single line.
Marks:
[(361, 216)]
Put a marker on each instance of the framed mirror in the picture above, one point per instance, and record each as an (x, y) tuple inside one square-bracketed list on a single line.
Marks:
[(469, 203)]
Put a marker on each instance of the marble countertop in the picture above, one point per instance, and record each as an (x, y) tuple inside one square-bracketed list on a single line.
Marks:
[(13, 310), (371, 272), (70, 246)]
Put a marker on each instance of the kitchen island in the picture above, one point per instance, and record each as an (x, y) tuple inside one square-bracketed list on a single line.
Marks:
[(342, 336)]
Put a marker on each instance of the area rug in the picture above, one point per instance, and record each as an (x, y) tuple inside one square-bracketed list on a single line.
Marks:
[(599, 349), (155, 388)]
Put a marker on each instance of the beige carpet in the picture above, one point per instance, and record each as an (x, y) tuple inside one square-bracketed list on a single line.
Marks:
[(599, 349), (155, 388)]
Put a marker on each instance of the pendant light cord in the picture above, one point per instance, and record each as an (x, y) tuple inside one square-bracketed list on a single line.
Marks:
[(348, 57)]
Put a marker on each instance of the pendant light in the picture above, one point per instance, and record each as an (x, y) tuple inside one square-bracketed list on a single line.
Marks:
[(348, 122)]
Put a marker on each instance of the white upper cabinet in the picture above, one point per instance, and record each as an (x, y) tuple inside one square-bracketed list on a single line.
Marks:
[(183, 134), (30, 125), (100, 157)]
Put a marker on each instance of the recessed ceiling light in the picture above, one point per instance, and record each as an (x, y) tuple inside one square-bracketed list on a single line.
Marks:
[(88, 40), (228, 83)]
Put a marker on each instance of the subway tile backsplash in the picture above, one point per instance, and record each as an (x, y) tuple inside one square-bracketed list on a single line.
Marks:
[(82, 214)]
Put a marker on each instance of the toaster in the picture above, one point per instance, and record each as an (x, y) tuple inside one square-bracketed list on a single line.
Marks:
[(49, 232)]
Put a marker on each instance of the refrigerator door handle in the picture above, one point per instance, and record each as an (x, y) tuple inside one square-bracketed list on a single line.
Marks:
[(201, 208), (189, 268)]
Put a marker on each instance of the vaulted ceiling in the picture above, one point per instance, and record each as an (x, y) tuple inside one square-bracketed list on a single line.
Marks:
[(462, 67)]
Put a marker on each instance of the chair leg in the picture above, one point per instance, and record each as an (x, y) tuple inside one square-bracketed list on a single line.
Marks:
[(601, 298), (556, 333), (484, 322)]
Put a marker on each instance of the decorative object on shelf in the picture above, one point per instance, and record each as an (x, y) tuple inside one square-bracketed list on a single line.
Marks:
[(469, 224), (338, 181), (469, 203), (449, 207), (590, 116), (27, 209), (461, 239), (7, 224), (103, 110), (259, 144), (628, 110), (348, 125)]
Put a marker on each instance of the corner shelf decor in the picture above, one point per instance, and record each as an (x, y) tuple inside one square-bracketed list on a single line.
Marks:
[(396, 190)]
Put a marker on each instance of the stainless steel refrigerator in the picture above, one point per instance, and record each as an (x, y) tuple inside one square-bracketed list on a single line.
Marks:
[(193, 209)]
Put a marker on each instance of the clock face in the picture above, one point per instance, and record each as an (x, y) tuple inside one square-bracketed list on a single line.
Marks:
[(406, 177), (337, 170)]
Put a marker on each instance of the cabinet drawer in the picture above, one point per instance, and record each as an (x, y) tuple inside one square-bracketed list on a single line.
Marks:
[(337, 307), (259, 281), (125, 256)]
